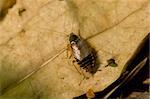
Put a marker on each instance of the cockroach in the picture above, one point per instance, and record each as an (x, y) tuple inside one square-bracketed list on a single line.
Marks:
[(83, 53)]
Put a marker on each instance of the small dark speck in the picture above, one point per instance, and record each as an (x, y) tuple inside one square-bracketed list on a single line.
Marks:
[(62, 78), (21, 10), (99, 70), (22, 32)]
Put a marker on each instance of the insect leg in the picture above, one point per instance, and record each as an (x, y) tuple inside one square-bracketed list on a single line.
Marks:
[(69, 49), (79, 33), (76, 67), (81, 80), (84, 77), (81, 73)]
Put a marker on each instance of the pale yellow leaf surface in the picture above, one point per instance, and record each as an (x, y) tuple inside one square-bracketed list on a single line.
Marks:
[(33, 55)]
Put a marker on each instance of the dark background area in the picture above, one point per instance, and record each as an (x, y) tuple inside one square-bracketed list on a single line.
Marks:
[(135, 88)]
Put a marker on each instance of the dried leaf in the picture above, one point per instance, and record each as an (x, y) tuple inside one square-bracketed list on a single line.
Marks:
[(33, 56)]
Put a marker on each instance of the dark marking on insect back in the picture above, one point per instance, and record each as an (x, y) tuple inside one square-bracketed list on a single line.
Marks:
[(88, 60)]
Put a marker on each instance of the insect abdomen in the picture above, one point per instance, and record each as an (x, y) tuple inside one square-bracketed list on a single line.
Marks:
[(88, 63)]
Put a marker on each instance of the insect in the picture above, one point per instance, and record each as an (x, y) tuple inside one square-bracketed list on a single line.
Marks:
[(111, 62), (83, 53)]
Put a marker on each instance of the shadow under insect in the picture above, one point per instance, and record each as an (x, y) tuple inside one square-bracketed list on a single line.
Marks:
[(97, 62)]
